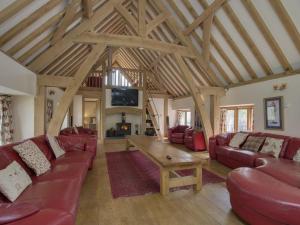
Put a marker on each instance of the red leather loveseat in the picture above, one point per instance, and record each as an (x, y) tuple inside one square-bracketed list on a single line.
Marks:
[(194, 140), (264, 190), (54, 194), (176, 134)]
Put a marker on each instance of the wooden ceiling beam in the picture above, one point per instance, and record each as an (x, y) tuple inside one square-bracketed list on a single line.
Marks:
[(53, 81), (53, 52), (21, 26), (287, 22), (207, 12), (156, 22), (66, 99), (230, 42), (247, 38), (132, 42), (207, 24), (12, 9), (66, 21), (267, 35), (30, 37), (87, 6), (142, 17), (128, 17)]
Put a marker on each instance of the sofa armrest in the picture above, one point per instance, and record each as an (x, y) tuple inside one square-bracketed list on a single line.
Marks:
[(10, 212), (212, 148)]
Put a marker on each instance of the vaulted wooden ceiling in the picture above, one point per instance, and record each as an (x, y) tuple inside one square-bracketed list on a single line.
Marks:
[(242, 41)]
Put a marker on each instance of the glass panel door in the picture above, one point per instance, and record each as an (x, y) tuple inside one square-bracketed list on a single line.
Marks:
[(242, 120), (230, 120)]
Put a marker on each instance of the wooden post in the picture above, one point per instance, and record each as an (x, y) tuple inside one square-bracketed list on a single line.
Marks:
[(166, 113), (39, 111), (73, 87), (98, 118), (145, 102), (215, 113), (199, 103), (103, 106)]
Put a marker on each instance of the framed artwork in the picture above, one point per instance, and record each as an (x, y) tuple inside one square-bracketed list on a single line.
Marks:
[(49, 110), (273, 113), (197, 121)]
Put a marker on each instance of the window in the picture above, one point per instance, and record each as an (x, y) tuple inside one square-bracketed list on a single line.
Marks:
[(184, 117), (117, 79), (236, 118)]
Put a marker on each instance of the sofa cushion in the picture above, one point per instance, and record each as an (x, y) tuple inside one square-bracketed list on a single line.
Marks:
[(177, 135), (44, 146), (296, 157), (13, 181), (75, 157), (245, 158), (292, 148), (64, 171), (47, 217), (57, 150), (13, 212), (253, 143), (238, 139), (224, 150), (265, 194), (285, 170), (272, 146), (33, 157), (62, 194)]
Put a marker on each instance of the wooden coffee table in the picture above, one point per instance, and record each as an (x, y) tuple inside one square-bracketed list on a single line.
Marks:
[(159, 153)]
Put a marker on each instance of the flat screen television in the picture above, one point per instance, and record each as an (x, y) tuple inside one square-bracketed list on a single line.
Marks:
[(124, 97)]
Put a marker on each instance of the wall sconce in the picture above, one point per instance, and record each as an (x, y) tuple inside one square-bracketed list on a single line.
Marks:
[(51, 92), (279, 87)]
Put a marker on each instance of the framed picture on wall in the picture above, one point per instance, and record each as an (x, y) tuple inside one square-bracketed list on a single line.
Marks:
[(49, 110), (273, 108), (197, 121)]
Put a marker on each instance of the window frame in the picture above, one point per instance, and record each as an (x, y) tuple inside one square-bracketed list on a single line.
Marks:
[(250, 116), (185, 117)]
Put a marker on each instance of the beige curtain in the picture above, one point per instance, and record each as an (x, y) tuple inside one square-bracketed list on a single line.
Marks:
[(223, 120), (6, 130)]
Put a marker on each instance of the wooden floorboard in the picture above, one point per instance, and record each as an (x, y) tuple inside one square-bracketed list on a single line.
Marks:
[(210, 206)]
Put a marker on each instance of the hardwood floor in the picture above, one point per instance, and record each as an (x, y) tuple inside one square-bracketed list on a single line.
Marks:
[(210, 206)]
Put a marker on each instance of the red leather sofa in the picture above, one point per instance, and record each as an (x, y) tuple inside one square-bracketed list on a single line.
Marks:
[(194, 140), (264, 190), (220, 150), (54, 194), (81, 131), (176, 134)]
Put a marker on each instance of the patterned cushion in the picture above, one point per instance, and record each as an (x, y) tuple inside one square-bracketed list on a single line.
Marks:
[(58, 151), (13, 181), (297, 156), (33, 157), (238, 139), (272, 146), (76, 130), (253, 143)]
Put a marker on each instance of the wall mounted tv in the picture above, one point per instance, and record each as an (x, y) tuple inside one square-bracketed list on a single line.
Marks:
[(124, 97)]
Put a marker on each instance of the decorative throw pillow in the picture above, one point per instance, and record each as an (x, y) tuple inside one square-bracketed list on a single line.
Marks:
[(13, 181), (253, 143), (238, 139), (76, 130), (297, 156), (33, 157), (272, 146), (57, 150)]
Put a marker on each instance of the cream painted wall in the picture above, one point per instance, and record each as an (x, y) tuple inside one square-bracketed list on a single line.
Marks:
[(77, 110), (15, 79), (58, 93), (23, 117), (255, 93)]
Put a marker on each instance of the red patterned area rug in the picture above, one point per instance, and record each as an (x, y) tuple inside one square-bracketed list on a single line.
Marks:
[(131, 174)]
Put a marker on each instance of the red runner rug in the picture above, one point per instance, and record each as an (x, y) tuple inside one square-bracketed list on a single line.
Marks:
[(131, 174)]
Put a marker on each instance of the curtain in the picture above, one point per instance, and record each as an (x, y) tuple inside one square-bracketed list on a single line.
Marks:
[(6, 130), (223, 120)]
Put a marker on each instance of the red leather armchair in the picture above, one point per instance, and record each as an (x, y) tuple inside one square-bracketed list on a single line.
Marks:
[(194, 140), (176, 134)]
